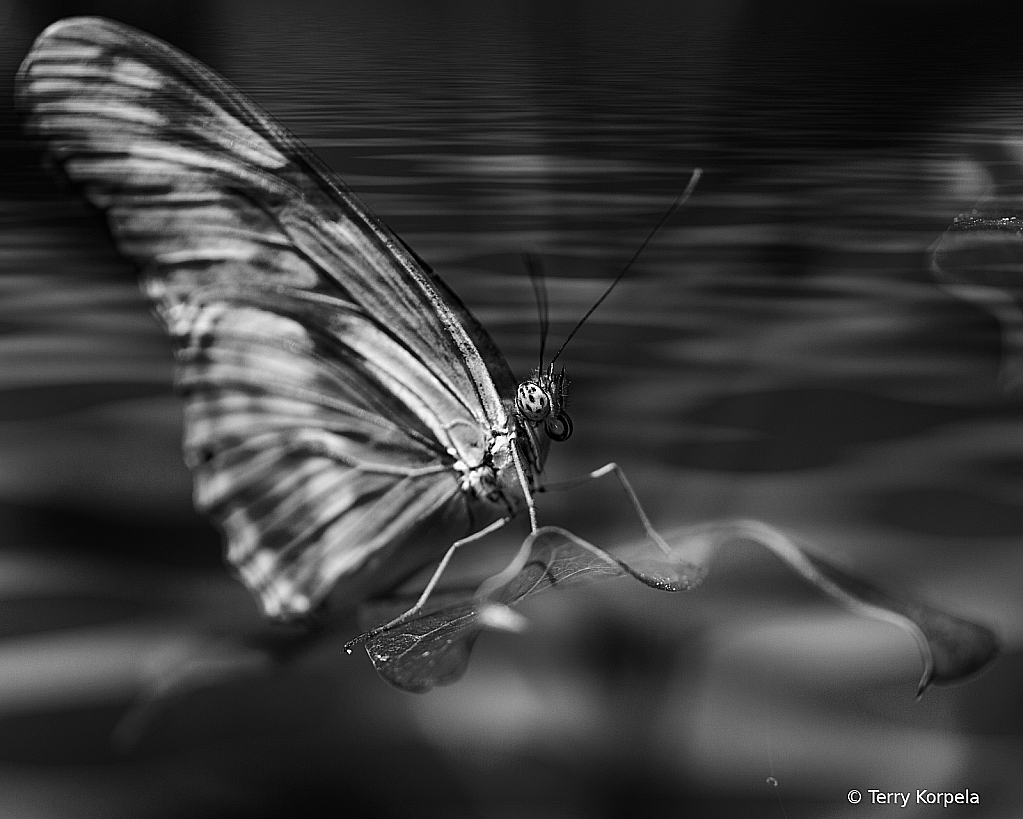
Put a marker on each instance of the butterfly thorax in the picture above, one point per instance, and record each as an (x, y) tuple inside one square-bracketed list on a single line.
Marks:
[(480, 481)]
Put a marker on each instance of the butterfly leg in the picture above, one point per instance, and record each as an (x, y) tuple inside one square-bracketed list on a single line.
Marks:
[(519, 561), (609, 469), (432, 584)]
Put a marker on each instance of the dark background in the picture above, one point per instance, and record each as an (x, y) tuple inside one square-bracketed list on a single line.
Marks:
[(780, 351)]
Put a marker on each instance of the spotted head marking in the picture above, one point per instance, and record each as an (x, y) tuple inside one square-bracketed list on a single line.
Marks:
[(541, 400)]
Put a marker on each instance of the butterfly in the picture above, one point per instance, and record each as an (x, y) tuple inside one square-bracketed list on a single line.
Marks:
[(348, 422), (347, 419)]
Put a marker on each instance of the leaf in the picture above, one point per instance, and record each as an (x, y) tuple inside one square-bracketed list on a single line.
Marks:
[(433, 648), (979, 259), (199, 662), (951, 648)]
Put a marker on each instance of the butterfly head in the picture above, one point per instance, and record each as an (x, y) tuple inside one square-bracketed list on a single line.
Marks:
[(541, 400)]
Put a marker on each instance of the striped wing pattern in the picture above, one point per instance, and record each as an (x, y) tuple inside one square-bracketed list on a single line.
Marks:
[(334, 386)]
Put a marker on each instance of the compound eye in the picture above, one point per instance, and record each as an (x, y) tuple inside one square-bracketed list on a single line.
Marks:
[(559, 428), (532, 401)]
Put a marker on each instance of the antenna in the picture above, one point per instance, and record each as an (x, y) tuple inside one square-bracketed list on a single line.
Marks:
[(536, 278), (679, 201)]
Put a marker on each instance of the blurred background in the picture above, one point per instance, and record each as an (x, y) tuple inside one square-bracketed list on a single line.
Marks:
[(780, 351)]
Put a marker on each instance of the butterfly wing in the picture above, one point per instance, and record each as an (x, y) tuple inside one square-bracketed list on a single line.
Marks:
[(333, 383)]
